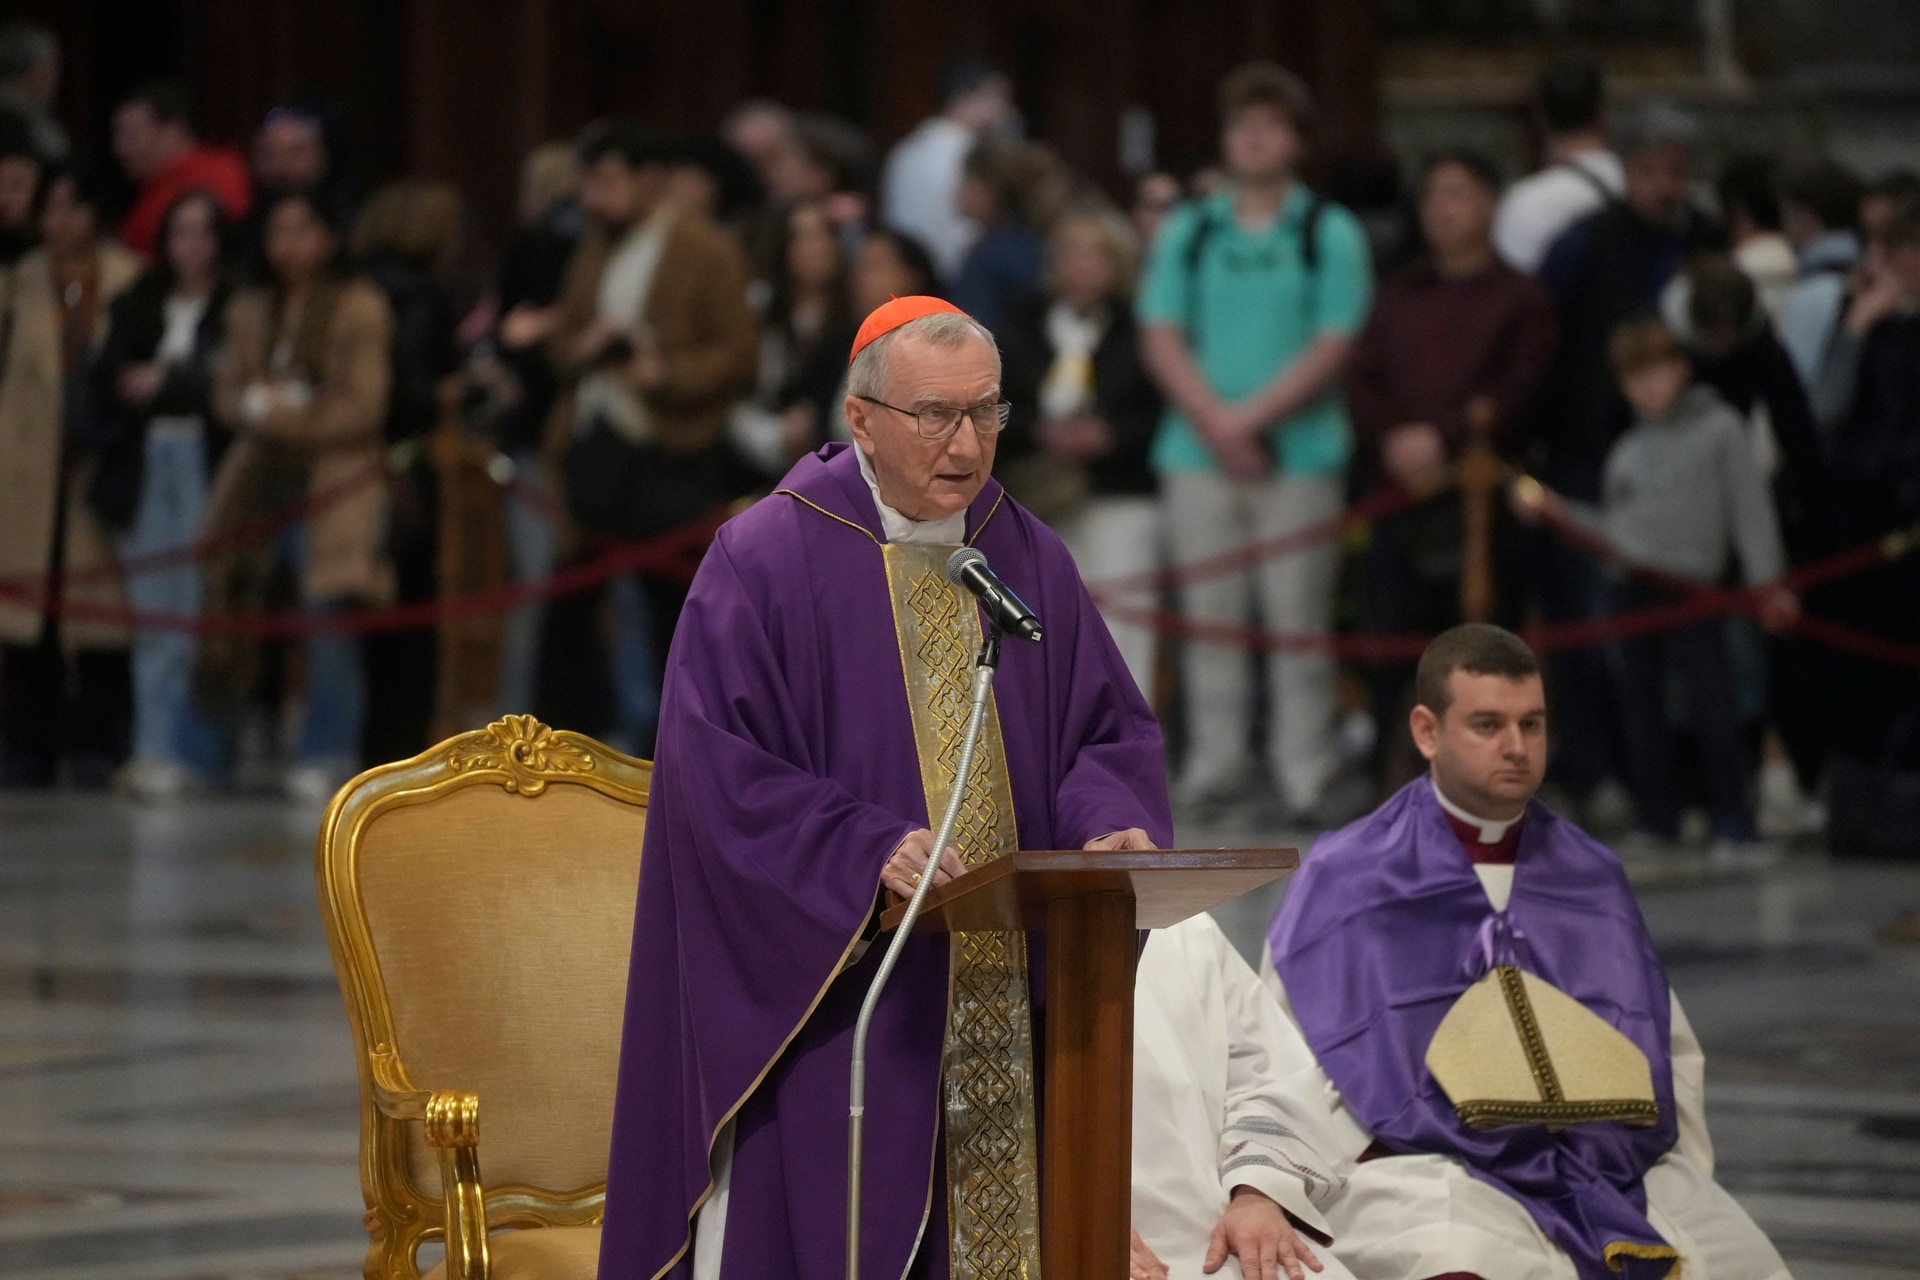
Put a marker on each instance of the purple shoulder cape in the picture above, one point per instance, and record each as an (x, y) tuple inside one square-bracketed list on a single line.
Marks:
[(1386, 924), (787, 775)]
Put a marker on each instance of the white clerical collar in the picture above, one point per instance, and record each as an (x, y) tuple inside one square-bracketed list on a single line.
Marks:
[(1491, 832), (948, 531)]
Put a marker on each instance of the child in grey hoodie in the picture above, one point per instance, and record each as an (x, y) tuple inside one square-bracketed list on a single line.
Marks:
[(1683, 493)]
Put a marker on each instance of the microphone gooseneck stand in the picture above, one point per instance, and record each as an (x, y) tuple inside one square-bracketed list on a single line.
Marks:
[(983, 671)]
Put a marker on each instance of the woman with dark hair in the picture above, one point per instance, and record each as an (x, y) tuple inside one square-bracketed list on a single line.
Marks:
[(304, 388), (153, 382), (888, 264), (809, 329), (893, 264), (63, 682)]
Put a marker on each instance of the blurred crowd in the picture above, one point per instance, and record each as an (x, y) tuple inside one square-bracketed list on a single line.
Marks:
[(1717, 373)]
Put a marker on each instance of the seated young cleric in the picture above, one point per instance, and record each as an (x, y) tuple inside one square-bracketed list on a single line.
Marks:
[(1506, 1066), (815, 697)]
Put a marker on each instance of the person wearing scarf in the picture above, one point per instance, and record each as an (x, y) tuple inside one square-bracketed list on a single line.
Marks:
[(304, 388)]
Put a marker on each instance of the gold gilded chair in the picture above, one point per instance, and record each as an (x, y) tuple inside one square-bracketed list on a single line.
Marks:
[(478, 900)]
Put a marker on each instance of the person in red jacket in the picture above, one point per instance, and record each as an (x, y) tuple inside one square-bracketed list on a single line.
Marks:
[(154, 141)]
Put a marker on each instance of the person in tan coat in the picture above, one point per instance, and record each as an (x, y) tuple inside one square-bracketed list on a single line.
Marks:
[(64, 684), (658, 342), (304, 388)]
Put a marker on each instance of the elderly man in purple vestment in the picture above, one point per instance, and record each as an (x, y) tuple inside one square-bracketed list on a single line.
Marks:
[(1516, 1087), (815, 696)]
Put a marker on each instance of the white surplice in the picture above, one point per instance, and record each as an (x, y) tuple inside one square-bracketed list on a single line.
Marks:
[(1225, 1094), (1407, 1217)]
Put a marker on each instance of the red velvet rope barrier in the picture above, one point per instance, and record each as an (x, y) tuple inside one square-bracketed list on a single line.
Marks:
[(205, 548), (1700, 601), (676, 555)]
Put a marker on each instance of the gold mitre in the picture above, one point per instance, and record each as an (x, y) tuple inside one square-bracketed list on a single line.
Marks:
[(1515, 1049)]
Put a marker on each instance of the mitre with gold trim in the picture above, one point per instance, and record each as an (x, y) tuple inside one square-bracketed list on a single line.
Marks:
[(1515, 1049)]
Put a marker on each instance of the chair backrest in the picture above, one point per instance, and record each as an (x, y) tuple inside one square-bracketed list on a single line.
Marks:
[(479, 902)]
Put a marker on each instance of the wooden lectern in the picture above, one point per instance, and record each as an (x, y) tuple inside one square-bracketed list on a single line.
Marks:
[(1090, 906)]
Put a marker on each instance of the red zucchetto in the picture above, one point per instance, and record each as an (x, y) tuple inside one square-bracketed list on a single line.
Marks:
[(893, 313)]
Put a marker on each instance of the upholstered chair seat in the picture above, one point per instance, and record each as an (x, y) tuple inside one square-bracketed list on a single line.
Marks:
[(479, 902), (551, 1253)]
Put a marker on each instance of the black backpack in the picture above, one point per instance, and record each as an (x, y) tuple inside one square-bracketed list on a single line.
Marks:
[(1210, 223)]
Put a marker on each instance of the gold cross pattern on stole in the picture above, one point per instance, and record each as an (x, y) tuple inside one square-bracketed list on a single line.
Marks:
[(993, 1178)]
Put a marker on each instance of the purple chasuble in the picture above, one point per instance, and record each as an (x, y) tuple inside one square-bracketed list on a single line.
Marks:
[(787, 775), (1386, 925)]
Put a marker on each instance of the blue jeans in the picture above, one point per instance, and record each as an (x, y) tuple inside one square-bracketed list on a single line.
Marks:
[(336, 709), (1696, 655), (1587, 728), (173, 495), (636, 667), (530, 550)]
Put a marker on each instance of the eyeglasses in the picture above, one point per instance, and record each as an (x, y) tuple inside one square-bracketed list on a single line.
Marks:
[(942, 420)]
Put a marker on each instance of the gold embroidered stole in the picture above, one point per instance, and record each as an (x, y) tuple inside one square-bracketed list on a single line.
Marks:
[(993, 1179)]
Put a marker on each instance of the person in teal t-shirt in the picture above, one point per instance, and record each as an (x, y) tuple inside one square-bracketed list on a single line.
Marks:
[(1248, 308)]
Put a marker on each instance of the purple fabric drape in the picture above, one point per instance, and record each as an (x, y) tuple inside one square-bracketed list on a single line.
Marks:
[(1386, 925), (787, 775)]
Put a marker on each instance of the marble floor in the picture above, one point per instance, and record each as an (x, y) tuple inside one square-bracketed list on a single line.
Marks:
[(177, 1096)]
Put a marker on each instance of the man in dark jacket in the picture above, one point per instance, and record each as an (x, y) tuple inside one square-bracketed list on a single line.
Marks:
[(1737, 354), (1601, 272), (1874, 468), (1418, 404)]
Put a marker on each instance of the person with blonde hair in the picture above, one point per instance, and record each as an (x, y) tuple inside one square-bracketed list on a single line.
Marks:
[(1084, 414)]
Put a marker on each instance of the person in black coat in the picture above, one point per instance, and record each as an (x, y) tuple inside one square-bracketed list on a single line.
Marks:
[(151, 385), (1873, 467), (1737, 354), (403, 239), (1601, 272), (1076, 449)]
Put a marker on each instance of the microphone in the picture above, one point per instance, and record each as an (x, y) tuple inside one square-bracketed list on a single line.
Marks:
[(968, 568)]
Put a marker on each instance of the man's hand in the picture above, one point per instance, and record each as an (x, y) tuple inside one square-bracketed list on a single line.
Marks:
[(1255, 1230), (1079, 438), (1414, 454), (592, 341), (909, 862), (1531, 502), (1779, 610), (1233, 437), (140, 383), (528, 326), (1143, 1263), (1131, 838), (1880, 298)]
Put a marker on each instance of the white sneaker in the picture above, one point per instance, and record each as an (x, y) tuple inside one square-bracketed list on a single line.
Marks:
[(1205, 791), (1610, 808), (1781, 805), (1355, 736), (1733, 856), (155, 781), (310, 784), (1638, 848)]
